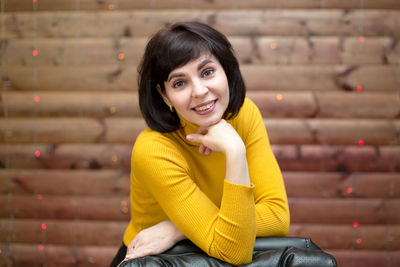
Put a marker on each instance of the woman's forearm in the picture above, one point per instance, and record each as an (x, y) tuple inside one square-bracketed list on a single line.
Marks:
[(237, 171)]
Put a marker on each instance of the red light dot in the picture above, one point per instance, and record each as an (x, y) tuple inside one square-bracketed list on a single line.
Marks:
[(359, 241), (359, 88), (39, 196), (349, 190), (34, 53), (355, 224), (37, 153), (40, 247), (44, 226), (361, 142), (37, 99), (34, 1), (362, 39)]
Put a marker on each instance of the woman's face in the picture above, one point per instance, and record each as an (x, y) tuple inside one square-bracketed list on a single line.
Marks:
[(198, 91)]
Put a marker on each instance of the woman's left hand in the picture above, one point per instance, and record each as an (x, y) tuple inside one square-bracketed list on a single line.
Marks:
[(154, 240)]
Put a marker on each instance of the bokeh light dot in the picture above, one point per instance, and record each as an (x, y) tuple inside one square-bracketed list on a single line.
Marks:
[(114, 158), (359, 88), (359, 241), (361, 142), (121, 56), (39, 196), (362, 39), (355, 224), (272, 46), (37, 153), (37, 99), (279, 97), (349, 190), (44, 226), (40, 247), (35, 53)]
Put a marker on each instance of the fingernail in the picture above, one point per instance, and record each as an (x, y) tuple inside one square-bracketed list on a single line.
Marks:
[(189, 137)]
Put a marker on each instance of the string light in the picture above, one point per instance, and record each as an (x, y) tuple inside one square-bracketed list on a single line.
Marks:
[(35, 53), (359, 88), (37, 99), (359, 241), (361, 142), (279, 97), (362, 39), (272, 46), (40, 247), (34, 1), (39, 196), (37, 153), (114, 158), (111, 6), (355, 224), (44, 226)]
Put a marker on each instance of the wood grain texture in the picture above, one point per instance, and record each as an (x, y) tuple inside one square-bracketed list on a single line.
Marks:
[(45, 5), (251, 22)]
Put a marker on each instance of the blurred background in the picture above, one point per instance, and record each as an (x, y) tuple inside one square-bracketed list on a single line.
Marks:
[(324, 73)]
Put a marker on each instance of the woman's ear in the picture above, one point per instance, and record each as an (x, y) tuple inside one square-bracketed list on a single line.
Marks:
[(163, 95)]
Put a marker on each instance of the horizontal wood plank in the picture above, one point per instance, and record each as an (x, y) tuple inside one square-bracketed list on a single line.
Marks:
[(125, 130), (56, 255), (82, 233), (302, 210), (249, 50), (271, 104), (366, 258), (117, 156), (116, 183), (45, 5), (231, 22), (117, 78)]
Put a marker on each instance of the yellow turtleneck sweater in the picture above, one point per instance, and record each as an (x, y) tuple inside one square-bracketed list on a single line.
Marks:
[(170, 179)]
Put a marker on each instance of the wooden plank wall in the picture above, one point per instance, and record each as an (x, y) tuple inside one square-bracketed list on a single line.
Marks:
[(325, 75)]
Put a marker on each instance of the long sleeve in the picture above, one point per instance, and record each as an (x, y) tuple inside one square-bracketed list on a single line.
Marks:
[(272, 209)]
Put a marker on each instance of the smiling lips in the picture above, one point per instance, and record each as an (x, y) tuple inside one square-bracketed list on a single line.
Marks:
[(205, 108)]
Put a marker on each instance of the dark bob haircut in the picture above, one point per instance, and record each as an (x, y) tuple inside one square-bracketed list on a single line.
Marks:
[(174, 47)]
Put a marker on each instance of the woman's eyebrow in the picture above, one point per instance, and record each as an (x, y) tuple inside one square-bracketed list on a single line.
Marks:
[(203, 63), (175, 75)]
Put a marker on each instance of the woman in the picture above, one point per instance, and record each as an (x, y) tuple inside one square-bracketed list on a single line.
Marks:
[(204, 169)]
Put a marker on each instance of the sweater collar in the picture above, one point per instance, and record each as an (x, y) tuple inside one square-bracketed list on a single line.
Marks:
[(187, 128)]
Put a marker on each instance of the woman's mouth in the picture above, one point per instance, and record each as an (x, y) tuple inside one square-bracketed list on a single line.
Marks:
[(206, 108)]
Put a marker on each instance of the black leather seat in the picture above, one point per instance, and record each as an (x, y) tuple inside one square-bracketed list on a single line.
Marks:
[(268, 251)]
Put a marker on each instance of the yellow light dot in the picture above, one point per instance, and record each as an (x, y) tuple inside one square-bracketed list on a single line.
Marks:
[(279, 97), (121, 56), (124, 203), (124, 210), (114, 158), (272, 46), (111, 7), (1, 251), (112, 110)]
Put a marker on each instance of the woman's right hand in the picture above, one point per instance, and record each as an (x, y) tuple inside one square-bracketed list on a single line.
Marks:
[(220, 137)]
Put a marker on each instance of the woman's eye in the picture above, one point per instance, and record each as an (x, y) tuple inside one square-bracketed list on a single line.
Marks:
[(208, 72), (178, 84)]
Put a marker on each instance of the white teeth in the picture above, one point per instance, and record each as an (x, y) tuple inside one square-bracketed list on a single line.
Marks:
[(204, 107)]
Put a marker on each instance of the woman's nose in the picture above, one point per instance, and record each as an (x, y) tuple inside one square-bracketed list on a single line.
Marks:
[(199, 90)]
